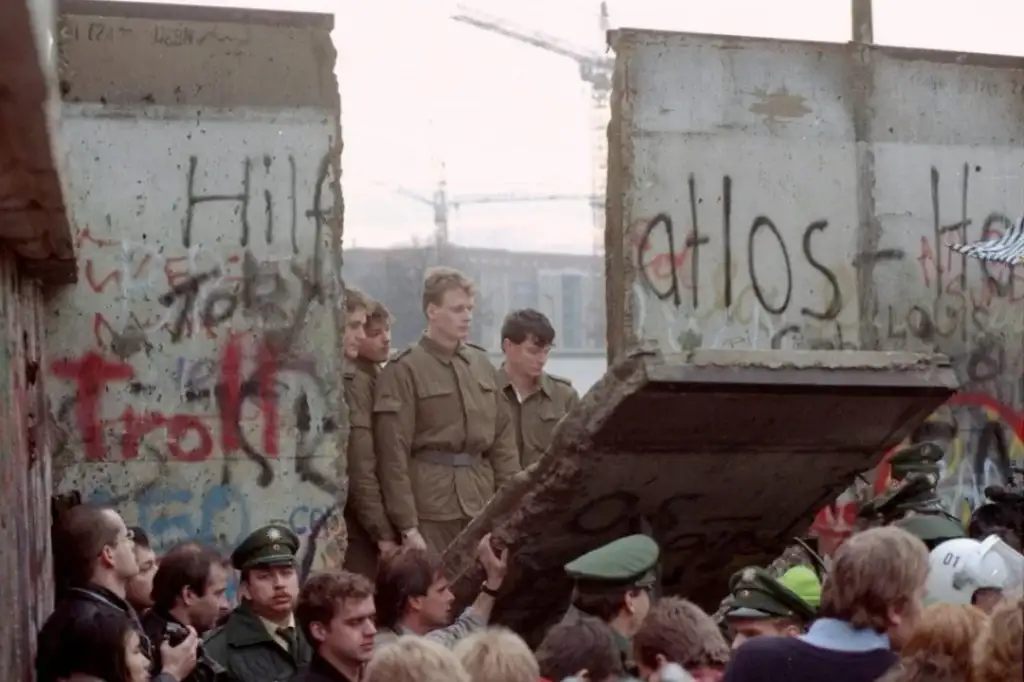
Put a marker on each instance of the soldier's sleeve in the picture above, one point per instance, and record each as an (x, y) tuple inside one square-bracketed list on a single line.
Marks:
[(394, 425), (572, 400), (503, 453), (364, 492)]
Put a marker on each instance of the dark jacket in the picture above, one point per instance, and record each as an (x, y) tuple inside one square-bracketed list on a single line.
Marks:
[(320, 670), (155, 623), (246, 649), (75, 605)]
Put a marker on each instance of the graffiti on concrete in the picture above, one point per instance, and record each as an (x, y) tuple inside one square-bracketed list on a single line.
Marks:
[(198, 391), (726, 284), (703, 278)]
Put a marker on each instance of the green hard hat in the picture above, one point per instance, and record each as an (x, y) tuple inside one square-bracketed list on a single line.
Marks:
[(755, 594), (626, 562), (273, 545)]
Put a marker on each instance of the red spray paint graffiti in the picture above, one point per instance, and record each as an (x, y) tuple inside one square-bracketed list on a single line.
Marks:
[(834, 523), (92, 374)]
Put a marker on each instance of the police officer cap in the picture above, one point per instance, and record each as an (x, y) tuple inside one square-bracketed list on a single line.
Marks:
[(272, 545), (932, 529), (626, 562), (755, 594)]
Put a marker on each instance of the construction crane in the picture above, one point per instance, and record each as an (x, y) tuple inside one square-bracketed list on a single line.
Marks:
[(595, 69), (443, 204)]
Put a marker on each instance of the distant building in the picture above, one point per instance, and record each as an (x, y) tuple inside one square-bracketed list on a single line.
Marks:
[(568, 288)]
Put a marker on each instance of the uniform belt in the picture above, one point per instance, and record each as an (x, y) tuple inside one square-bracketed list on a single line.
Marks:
[(457, 460)]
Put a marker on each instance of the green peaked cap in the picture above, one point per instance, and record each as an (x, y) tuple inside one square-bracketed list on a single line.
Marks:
[(624, 562), (273, 545), (755, 594)]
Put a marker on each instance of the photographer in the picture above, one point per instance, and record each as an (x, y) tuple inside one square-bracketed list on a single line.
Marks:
[(189, 591)]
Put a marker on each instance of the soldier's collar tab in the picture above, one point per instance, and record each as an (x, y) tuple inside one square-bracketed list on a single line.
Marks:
[(440, 352)]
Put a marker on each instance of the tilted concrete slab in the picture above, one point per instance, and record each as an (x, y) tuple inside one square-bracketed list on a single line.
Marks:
[(721, 455)]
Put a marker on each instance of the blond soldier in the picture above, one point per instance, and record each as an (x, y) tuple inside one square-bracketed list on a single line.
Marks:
[(369, 531), (443, 431), (538, 400)]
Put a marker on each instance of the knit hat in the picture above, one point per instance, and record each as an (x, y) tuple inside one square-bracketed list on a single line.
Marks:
[(804, 583)]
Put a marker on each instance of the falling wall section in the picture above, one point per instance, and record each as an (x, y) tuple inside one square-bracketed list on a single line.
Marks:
[(195, 368), (790, 195)]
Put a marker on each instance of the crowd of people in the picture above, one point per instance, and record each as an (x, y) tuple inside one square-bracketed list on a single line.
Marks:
[(875, 614), (434, 431)]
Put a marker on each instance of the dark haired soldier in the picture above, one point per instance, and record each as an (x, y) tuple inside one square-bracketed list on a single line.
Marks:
[(614, 584), (258, 641), (538, 400), (189, 590)]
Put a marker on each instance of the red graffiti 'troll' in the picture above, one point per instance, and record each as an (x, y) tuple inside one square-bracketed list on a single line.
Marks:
[(91, 374)]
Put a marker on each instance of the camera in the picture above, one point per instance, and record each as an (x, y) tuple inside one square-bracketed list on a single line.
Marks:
[(206, 670), (175, 634)]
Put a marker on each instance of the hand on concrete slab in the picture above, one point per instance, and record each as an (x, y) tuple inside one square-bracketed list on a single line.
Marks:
[(495, 566)]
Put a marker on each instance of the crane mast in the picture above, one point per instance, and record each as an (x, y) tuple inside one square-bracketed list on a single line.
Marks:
[(595, 68)]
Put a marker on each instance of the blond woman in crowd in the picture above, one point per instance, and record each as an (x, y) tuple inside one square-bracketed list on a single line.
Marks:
[(940, 647), (497, 655), (999, 651)]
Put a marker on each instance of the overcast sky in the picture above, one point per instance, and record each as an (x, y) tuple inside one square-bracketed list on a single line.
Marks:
[(419, 90)]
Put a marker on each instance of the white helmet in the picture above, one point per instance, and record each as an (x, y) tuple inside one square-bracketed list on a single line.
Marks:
[(962, 566)]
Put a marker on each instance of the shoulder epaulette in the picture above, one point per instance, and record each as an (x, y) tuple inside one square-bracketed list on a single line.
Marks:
[(561, 380), (479, 348), (349, 372), (400, 354)]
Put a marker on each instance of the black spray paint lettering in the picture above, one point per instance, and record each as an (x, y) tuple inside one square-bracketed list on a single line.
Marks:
[(662, 223), (263, 292), (243, 198), (625, 511), (953, 311)]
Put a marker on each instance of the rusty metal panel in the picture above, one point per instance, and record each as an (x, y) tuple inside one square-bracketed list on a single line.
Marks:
[(722, 456), (26, 577), (33, 220)]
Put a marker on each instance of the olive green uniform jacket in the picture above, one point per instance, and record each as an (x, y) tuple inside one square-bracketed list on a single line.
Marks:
[(365, 518), (535, 417), (245, 648), (443, 434)]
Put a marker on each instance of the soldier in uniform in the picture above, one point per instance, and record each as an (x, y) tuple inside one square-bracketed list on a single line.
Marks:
[(376, 347), (759, 604), (614, 583), (259, 642), (442, 429), (538, 400), (369, 531)]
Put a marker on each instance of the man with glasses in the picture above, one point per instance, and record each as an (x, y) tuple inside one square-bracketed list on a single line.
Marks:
[(94, 560)]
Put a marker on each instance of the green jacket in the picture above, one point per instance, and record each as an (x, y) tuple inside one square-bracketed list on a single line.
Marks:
[(623, 644), (244, 647)]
